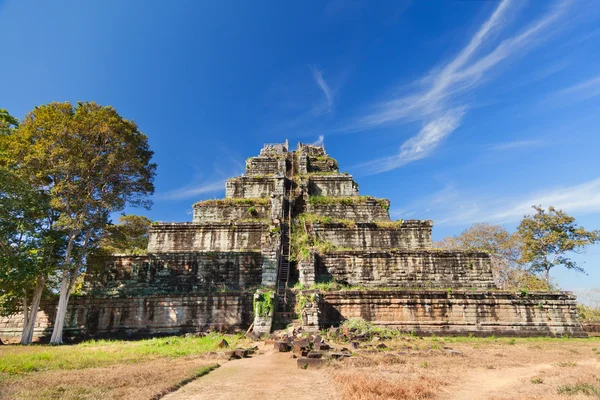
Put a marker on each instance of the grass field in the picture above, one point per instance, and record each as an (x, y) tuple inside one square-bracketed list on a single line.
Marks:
[(106, 369), (408, 367)]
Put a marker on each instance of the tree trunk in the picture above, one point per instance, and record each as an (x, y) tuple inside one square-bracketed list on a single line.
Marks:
[(69, 276), (25, 310), (27, 336), (61, 312)]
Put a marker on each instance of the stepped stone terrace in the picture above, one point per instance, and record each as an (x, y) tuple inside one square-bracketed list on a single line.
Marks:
[(291, 222)]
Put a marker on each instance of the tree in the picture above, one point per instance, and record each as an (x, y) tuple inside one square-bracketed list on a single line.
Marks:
[(129, 236), (549, 236), (29, 245), (90, 162), (503, 247)]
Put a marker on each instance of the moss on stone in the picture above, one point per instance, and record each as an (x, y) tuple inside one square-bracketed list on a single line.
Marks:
[(254, 201)]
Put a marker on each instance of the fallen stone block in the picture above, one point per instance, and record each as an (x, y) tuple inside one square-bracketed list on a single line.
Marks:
[(321, 346), (240, 353), (337, 356), (310, 363), (453, 353), (301, 342), (314, 354), (281, 346)]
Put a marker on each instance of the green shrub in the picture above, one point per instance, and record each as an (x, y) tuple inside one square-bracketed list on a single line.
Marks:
[(583, 388), (588, 314), (263, 303)]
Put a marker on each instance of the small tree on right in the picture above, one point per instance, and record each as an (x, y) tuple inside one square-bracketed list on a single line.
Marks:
[(548, 237)]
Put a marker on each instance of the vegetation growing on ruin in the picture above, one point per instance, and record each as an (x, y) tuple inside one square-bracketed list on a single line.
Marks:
[(347, 200), (313, 218), (263, 303), (254, 201), (303, 239), (332, 162), (302, 300), (389, 224)]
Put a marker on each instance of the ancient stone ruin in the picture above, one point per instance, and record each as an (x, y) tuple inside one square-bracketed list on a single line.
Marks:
[(294, 240)]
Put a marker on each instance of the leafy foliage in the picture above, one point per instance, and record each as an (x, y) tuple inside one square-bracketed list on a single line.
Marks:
[(129, 236), (30, 245), (89, 162), (263, 303), (548, 236)]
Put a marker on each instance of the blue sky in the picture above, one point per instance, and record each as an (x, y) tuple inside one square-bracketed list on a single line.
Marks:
[(458, 111)]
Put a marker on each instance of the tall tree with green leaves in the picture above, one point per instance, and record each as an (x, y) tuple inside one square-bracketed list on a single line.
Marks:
[(29, 244), (91, 162), (128, 236), (548, 236)]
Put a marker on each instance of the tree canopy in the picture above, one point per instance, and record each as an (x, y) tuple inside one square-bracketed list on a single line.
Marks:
[(541, 242), (129, 236), (549, 236), (89, 162)]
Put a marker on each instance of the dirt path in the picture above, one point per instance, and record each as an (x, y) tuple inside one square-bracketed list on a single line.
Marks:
[(487, 383), (260, 377), (504, 383)]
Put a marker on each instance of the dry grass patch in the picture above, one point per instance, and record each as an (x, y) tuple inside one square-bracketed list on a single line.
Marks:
[(365, 384), (467, 368), (107, 369), (145, 380)]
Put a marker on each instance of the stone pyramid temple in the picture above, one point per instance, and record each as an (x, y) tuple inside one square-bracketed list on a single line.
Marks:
[(294, 242)]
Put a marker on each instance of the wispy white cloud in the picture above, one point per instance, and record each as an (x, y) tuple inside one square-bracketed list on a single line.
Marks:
[(452, 207), (583, 90), (578, 199), (327, 106), (419, 146), (319, 141), (190, 191), (438, 102), (517, 144)]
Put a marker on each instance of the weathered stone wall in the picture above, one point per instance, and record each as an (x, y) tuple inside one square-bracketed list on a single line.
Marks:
[(176, 273), (321, 164), (249, 186), (412, 234), (265, 165), (146, 316), (457, 312), (234, 212), (407, 268), (332, 185), (369, 210), (189, 237)]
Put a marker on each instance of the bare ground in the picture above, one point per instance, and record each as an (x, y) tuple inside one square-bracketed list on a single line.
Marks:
[(518, 369), (411, 368), (262, 377)]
